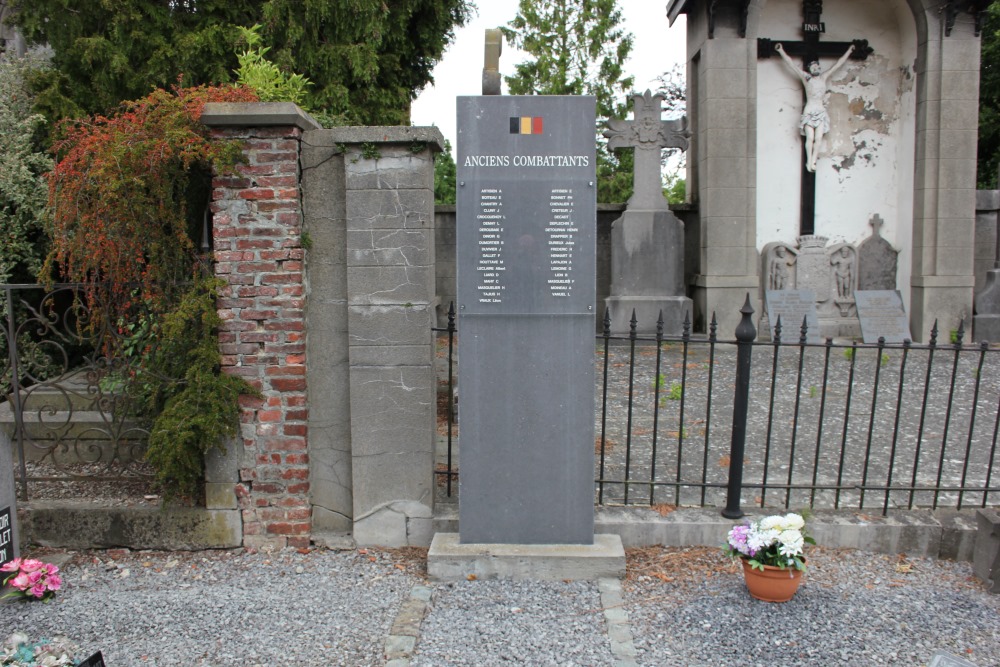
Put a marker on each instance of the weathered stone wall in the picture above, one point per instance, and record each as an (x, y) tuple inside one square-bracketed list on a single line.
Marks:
[(257, 243), (369, 211)]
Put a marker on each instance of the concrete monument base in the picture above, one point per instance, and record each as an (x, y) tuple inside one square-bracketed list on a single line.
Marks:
[(450, 560), (647, 311)]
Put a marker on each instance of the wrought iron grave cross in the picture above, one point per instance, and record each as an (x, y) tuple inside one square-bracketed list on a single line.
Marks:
[(811, 49)]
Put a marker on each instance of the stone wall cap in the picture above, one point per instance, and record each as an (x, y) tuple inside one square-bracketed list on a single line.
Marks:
[(257, 114), (392, 134)]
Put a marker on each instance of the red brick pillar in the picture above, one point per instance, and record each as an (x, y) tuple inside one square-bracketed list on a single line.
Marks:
[(257, 224)]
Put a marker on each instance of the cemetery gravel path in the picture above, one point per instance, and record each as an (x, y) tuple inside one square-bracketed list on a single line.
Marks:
[(677, 607)]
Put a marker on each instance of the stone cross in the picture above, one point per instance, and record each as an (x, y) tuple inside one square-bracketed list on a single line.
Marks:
[(648, 133), (876, 222), (491, 66)]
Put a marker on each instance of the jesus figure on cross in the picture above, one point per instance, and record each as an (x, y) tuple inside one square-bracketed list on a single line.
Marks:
[(815, 121)]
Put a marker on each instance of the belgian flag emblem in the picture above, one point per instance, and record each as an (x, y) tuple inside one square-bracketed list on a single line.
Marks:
[(526, 125)]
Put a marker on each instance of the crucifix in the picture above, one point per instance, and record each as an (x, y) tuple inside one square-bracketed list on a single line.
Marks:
[(811, 49), (647, 134)]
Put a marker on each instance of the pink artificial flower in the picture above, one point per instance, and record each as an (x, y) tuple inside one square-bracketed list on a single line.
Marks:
[(35, 577), (38, 590), (50, 568), (11, 566), (54, 582), (20, 582), (30, 565)]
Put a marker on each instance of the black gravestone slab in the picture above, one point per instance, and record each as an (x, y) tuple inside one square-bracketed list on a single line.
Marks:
[(6, 536), (526, 267), (792, 305), (881, 315), (96, 660)]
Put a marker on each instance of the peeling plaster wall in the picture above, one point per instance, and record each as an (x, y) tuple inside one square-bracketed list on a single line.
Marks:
[(867, 160)]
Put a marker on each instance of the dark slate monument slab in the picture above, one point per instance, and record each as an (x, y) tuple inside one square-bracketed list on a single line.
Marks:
[(8, 507), (881, 315), (877, 260), (792, 305), (526, 249)]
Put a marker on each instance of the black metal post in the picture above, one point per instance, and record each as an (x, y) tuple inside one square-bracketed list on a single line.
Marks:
[(745, 334)]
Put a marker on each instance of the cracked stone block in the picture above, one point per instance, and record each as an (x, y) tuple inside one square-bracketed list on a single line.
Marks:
[(389, 325), (390, 209), (390, 285), (386, 525), (390, 247)]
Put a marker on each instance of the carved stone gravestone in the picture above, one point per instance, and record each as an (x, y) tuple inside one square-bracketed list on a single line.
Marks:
[(877, 260), (792, 306), (647, 242), (8, 507), (882, 316), (829, 272)]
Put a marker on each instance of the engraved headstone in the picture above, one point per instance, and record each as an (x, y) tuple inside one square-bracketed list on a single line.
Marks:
[(876, 260), (882, 315), (792, 306), (526, 283)]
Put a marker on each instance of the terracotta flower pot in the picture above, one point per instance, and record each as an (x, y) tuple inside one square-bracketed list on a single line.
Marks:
[(773, 584)]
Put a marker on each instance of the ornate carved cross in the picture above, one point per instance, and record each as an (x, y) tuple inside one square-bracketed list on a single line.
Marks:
[(647, 133)]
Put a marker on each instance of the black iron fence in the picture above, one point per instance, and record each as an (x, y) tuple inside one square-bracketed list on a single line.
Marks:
[(704, 421), (65, 402)]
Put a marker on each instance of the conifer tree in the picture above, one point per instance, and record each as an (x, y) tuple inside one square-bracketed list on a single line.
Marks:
[(366, 60)]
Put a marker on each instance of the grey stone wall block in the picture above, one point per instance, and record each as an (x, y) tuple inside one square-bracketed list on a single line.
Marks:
[(394, 524), (402, 171), (728, 173), (390, 209), (396, 407), (727, 83), (959, 55), (390, 325), (725, 231), (390, 285), (330, 466), (395, 355), (726, 143), (726, 113), (721, 53), (328, 521), (959, 115), (387, 247)]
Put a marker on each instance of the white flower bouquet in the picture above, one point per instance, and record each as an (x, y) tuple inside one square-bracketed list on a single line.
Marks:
[(776, 540)]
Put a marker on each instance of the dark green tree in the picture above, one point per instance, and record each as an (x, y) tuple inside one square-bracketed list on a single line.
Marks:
[(445, 176), (366, 59), (578, 47), (989, 100)]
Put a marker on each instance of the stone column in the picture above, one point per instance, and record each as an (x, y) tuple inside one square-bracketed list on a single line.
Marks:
[(945, 180), (369, 196), (724, 126), (257, 224)]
